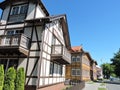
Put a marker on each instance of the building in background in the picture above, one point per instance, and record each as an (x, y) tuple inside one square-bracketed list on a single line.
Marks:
[(31, 38), (82, 67), (99, 73)]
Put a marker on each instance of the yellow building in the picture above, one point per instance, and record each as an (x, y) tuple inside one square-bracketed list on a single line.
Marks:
[(82, 67)]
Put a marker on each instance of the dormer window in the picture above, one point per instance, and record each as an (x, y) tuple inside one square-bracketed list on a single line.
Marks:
[(18, 13)]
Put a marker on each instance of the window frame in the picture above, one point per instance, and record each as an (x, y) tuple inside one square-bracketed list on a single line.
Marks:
[(76, 72), (19, 8)]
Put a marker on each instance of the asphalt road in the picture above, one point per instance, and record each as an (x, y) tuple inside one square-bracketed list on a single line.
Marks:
[(113, 86)]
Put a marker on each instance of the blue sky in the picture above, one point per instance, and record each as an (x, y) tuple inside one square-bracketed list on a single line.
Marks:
[(93, 23)]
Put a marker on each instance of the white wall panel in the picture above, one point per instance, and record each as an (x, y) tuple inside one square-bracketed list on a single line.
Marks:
[(5, 15), (22, 63), (47, 68), (39, 12), (34, 46), (30, 66), (34, 53), (15, 26), (50, 80), (46, 81), (31, 10), (1, 32)]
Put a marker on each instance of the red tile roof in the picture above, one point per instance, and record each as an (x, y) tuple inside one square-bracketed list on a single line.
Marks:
[(77, 49)]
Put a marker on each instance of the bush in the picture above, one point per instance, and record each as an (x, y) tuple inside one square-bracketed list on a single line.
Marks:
[(10, 79), (1, 77), (20, 79)]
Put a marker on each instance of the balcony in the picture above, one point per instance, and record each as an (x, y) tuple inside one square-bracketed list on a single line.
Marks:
[(18, 43), (60, 54)]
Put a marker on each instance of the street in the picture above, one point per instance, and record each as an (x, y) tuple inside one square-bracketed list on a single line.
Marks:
[(108, 86), (113, 86)]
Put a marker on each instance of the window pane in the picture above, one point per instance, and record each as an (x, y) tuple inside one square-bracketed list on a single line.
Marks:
[(78, 71), (15, 10), (51, 68), (73, 72), (23, 9)]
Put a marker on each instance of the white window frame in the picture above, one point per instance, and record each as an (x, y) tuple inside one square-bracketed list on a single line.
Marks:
[(19, 9)]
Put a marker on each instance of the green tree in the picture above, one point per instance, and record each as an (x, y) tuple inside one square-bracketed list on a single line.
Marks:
[(1, 77), (116, 62), (20, 79), (108, 70), (9, 83)]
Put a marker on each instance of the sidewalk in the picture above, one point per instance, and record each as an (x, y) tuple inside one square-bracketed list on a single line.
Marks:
[(93, 86)]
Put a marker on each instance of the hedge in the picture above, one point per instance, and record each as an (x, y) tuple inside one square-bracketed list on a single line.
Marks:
[(20, 79), (1, 77), (10, 79)]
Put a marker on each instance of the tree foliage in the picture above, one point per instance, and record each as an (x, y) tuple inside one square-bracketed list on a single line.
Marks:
[(1, 77), (116, 62), (108, 70), (10, 79), (20, 79)]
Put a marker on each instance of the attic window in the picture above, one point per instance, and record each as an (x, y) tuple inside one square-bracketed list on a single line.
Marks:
[(18, 13), (20, 9)]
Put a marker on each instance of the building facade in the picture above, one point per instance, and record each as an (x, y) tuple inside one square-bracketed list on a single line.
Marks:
[(31, 38), (82, 67)]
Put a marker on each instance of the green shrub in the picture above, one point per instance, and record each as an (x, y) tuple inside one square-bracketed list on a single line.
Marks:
[(9, 83), (1, 77), (20, 79)]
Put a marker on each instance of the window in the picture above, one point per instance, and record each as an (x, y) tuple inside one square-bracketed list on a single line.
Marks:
[(75, 58), (15, 10), (75, 72), (12, 32), (21, 9), (51, 67), (78, 59), (55, 69), (18, 13)]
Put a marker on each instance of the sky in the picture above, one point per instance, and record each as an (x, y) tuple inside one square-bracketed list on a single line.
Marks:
[(94, 24)]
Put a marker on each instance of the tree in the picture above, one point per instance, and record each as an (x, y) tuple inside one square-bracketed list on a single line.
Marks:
[(1, 77), (116, 62), (20, 79), (9, 83), (108, 70)]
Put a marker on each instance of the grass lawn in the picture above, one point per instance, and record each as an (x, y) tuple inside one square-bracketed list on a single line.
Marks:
[(102, 84), (101, 88)]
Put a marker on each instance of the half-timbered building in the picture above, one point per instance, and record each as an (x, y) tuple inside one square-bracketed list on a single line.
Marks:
[(31, 38)]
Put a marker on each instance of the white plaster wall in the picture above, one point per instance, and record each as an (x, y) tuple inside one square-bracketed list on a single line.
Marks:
[(34, 46), (46, 81), (31, 65), (15, 26), (50, 80), (47, 68), (39, 32), (39, 12), (22, 63), (1, 32), (43, 67), (31, 11), (5, 15), (20, 2), (34, 53), (32, 81)]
